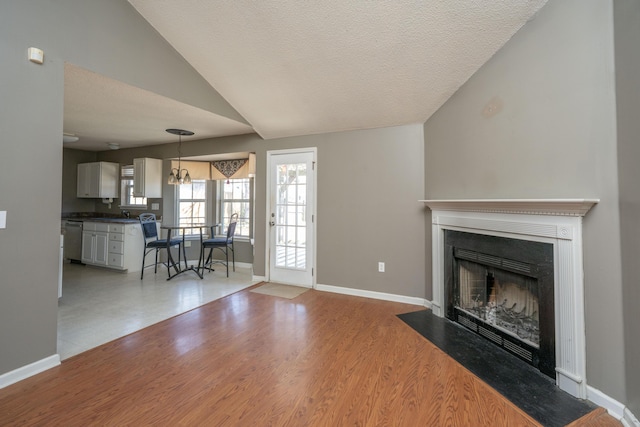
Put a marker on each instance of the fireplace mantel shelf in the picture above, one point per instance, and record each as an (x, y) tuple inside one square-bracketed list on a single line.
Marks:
[(565, 207)]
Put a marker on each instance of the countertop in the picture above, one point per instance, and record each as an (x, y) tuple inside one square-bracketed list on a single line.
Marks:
[(110, 220)]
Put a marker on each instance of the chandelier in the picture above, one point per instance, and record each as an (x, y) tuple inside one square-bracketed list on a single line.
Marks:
[(176, 177)]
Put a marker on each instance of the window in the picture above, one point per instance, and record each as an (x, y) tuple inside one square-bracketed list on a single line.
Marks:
[(236, 198), (127, 199), (192, 204)]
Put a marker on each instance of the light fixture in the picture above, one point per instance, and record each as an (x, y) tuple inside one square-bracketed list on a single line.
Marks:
[(176, 177), (113, 145), (69, 137)]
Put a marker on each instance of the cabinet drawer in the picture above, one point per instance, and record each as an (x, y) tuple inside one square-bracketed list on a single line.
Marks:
[(116, 228), (101, 226), (116, 260), (115, 247), (116, 237)]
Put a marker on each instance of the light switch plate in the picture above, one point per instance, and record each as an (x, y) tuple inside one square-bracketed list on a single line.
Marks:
[(3, 219), (155, 206)]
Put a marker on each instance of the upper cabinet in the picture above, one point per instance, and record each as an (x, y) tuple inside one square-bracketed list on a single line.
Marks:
[(98, 180), (147, 178)]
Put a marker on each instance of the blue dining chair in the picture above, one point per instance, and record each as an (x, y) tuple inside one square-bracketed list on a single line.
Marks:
[(224, 244), (152, 242)]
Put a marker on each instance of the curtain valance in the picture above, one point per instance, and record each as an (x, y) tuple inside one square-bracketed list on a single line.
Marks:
[(235, 168), (197, 170)]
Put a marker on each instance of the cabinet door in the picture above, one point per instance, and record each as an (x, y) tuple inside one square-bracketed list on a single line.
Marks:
[(88, 247), (147, 177), (138, 177), (97, 180), (88, 180), (108, 179), (102, 248)]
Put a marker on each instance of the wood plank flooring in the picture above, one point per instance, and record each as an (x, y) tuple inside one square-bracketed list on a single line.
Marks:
[(249, 359)]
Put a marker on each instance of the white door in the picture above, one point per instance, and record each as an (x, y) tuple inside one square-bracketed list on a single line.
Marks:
[(291, 216)]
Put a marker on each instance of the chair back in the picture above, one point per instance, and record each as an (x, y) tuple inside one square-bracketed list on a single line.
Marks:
[(231, 230), (149, 228)]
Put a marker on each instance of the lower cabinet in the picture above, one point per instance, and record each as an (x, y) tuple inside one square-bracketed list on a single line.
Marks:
[(112, 245), (95, 244)]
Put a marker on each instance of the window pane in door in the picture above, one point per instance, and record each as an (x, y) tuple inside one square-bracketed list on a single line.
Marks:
[(291, 216)]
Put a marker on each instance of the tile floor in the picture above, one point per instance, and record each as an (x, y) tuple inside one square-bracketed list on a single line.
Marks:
[(99, 305)]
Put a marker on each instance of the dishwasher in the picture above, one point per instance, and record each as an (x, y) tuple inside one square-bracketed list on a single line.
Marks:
[(73, 240)]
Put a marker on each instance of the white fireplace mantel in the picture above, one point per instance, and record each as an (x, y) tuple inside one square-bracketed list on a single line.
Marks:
[(570, 207), (554, 221)]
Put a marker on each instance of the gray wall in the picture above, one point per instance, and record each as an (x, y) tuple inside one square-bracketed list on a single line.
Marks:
[(627, 36), (555, 137), (107, 37), (369, 184)]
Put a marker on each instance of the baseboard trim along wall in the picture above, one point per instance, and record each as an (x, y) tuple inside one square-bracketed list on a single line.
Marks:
[(27, 371), (615, 408), (374, 295)]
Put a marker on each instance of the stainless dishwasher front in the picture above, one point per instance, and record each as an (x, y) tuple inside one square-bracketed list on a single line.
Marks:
[(73, 240)]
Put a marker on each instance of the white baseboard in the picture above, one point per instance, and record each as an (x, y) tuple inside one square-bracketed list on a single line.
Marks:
[(629, 420), (374, 295), (29, 370), (613, 407), (259, 278)]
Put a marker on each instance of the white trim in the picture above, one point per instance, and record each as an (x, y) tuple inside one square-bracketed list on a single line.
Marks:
[(27, 371), (629, 420), (616, 409), (564, 232), (259, 278), (569, 207), (373, 295)]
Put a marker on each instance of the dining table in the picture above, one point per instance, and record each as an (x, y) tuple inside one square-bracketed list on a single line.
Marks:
[(181, 228)]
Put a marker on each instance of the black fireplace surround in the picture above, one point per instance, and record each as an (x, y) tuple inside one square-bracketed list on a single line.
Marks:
[(502, 289)]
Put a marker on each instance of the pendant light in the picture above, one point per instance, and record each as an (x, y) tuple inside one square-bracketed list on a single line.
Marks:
[(176, 177)]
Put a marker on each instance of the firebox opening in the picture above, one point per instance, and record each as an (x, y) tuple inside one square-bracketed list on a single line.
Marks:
[(502, 289)]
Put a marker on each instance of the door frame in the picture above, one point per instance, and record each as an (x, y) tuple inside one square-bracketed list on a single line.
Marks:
[(314, 198)]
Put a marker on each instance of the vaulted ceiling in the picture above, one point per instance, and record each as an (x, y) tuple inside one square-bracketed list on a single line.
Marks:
[(294, 67)]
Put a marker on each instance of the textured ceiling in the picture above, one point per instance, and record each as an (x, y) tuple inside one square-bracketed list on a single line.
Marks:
[(293, 67)]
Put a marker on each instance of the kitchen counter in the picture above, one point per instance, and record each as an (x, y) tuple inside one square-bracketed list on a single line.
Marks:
[(112, 220)]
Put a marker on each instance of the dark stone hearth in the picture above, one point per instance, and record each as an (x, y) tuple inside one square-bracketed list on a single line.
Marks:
[(525, 386)]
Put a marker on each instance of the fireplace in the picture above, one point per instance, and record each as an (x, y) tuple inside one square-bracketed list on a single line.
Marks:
[(502, 289), (555, 222)]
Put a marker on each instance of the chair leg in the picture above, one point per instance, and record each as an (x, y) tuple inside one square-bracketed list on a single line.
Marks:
[(209, 259), (233, 253), (155, 266), (144, 254), (226, 254)]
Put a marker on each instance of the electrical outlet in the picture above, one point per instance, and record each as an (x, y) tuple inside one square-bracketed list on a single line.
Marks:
[(155, 206), (187, 244), (381, 267)]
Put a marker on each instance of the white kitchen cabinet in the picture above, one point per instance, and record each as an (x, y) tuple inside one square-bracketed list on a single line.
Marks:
[(95, 243), (98, 180), (120, 245), (147, 178)]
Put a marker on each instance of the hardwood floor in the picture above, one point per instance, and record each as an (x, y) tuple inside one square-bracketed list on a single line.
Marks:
[(320, 359)]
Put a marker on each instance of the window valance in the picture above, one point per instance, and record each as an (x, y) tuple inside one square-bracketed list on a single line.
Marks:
[(197, 170), (232, 169)]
